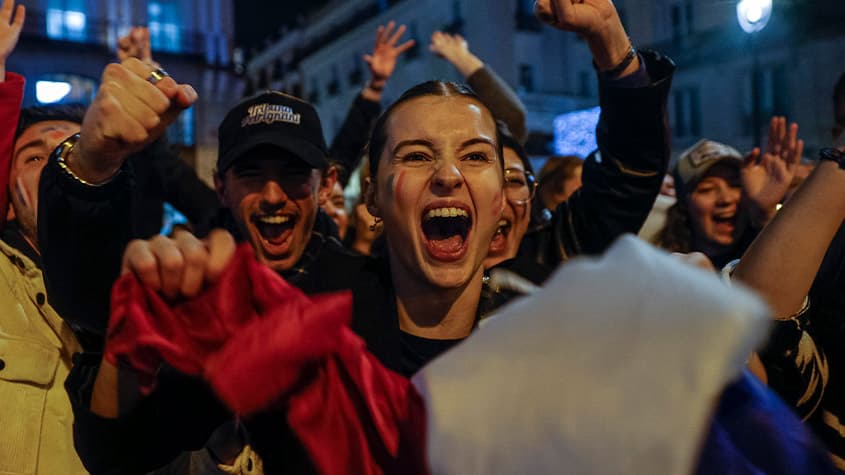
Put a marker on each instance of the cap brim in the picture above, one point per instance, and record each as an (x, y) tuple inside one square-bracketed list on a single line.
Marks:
[(684, 188), (299, 148)]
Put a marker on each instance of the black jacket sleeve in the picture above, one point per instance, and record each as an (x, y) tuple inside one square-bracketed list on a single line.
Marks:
[(503, 102), (178, 416), (184, 189), (161, 176), (82, 232), (621, 182), (349, 143)]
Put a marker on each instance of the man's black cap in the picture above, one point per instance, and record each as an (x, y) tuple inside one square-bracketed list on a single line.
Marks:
[(274, 119)]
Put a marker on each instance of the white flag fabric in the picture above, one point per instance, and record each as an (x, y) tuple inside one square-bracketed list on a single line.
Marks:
[(614, 367)]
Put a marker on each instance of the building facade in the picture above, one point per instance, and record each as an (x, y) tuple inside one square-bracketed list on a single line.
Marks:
[(69, 42), (799, 54), (321, 60)]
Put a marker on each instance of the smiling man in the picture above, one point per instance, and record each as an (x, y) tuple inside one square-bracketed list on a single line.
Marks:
[(273, 175)]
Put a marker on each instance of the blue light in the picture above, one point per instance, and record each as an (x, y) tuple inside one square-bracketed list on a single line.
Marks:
[(66, 24), (575, 132), (171, 217)]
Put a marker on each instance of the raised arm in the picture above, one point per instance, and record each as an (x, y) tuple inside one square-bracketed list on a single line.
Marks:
[(11, 24), (807, 222), (84, 205), (136, 44), (622, 182), (181, 186), (348, 145), (493, 90), (781, 265), (11, 95)]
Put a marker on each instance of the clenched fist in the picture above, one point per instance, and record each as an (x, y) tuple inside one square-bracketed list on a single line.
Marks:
[(132, 109)]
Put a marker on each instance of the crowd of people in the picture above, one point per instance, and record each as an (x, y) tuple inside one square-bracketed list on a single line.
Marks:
[(466, 315)]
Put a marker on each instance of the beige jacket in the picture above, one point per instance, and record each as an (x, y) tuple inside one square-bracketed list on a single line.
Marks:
[(36, 433)]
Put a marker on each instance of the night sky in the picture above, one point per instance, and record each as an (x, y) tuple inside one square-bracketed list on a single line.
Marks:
[(255, 20)]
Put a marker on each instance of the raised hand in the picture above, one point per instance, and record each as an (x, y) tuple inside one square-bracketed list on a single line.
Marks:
[(597, 21), (133, 107), (182, 265), (136, 44), (382, 61), (454, 48), (10, 31), (766, 177)]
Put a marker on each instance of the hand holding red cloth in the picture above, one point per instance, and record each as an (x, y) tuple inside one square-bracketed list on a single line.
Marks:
[(260, 342)]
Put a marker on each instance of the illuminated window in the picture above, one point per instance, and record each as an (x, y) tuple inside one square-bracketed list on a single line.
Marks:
[(686, 112), (182, 131), (165, 34), (66, 24)]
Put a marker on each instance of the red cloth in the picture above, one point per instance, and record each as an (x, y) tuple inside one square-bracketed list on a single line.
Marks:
[(11, 95), (260, 342)]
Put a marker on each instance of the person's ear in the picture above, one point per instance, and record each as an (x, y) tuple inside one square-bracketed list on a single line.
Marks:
[(327, 182)]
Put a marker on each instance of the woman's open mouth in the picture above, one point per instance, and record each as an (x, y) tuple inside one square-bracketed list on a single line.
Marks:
[(500, 239), (445, 230), (725, 223)]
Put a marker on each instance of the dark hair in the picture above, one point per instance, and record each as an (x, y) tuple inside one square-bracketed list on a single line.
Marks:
[(676, 235), (33, 115), (429, 88), (509, 141), (839, 90)]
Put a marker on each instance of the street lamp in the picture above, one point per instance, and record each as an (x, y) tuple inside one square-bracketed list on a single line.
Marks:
[(753, 16)]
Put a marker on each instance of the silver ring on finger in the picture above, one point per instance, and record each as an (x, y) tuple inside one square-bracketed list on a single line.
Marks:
[(157, 75)]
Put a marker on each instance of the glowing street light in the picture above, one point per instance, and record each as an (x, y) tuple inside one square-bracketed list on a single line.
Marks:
[(753, 15)]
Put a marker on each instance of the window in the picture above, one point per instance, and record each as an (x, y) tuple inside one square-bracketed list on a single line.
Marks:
[(356, 75), (773, 96), (66, 20), (681, 19), (526, 78), (314, 94), (686, 113), (278, 69), (164, 20), (181, 132), (586, 82), (334, 84)]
